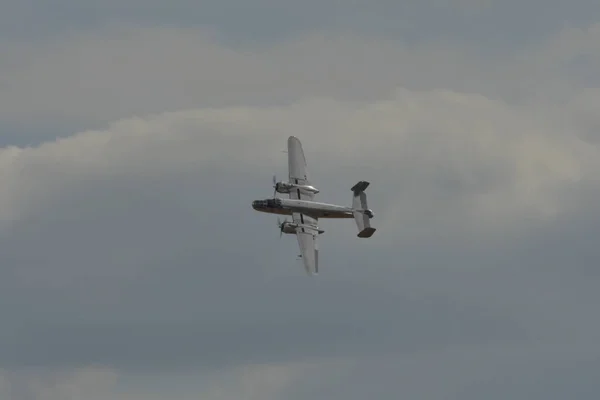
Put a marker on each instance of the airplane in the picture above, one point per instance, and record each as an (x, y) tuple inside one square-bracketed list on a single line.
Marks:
[(306, 212)]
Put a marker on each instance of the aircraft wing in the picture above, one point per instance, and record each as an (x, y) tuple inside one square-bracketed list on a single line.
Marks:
[(298, 172), (307, 240)]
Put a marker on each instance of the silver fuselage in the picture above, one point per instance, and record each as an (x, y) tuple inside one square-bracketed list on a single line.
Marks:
[(312, 208)]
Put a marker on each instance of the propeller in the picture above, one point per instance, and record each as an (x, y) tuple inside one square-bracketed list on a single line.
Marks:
[(274, 186), (280, 225)]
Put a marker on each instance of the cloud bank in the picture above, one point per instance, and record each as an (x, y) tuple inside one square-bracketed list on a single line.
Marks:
[(133, 266)]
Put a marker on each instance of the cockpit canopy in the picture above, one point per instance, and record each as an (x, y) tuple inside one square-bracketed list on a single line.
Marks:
[(268, 203)]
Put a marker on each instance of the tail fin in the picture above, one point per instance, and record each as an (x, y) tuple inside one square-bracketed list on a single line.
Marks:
[(362, 214)]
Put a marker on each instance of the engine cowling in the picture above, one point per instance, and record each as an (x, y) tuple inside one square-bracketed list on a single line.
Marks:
[(288, 227), (286, 187), (291, 227), (283, 187)]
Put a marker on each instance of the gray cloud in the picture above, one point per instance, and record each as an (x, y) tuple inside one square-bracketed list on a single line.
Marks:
[(493, 23), (88, 79), (118, 244), (131, 263)]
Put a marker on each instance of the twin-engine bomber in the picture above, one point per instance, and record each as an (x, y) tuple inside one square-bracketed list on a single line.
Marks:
[(306, 212)]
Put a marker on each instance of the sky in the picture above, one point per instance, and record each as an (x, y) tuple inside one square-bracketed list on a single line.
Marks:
[(135, 135)]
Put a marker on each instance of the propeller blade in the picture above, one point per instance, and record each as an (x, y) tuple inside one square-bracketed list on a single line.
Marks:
[(280, 226)]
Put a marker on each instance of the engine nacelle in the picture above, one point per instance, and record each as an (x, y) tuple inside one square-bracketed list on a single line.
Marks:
[(290, 227), (286, 187)]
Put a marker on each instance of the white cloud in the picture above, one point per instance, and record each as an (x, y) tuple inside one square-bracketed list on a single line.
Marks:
[(266, 382), (489, 162), (252, 382), (89, 383)]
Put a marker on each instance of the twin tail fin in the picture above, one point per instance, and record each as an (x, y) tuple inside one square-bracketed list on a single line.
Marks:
[(361, 211)]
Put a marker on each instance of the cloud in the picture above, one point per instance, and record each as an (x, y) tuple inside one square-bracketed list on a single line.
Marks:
[(468, 372), (89, 383), (94, 77), (269, 381), (486, 159), (126, 235), (236, 21), (253, 381), (132, 245), (456, 372)]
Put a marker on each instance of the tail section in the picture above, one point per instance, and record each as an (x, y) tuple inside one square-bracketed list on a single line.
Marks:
[(361, 211)]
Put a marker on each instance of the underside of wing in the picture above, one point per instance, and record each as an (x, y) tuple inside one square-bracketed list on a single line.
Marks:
[(307, 233), (308, 249), (305, 221), (297, 161), (298, 171)]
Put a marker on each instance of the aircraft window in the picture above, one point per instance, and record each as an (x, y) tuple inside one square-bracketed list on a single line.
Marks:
[(271, 203)]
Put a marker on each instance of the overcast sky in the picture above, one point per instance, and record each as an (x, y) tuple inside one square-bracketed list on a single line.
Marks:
[(135, 134)]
